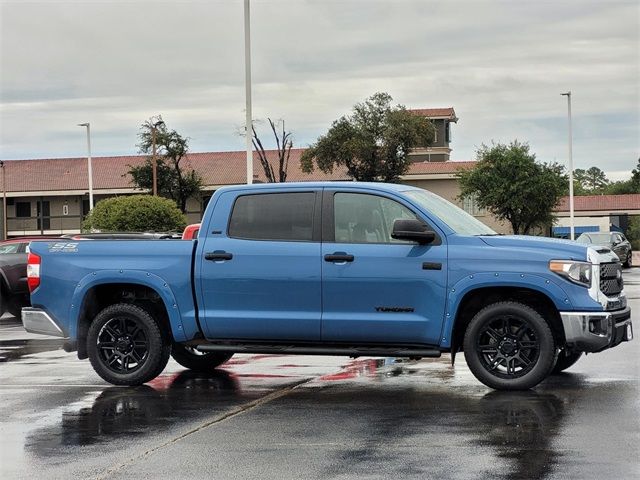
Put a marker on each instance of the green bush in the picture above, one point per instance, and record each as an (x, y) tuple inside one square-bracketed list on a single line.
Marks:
[(633, 232), (136, 213)]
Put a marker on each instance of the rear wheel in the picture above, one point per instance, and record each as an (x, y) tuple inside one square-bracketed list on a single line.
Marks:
[(14, 307), (126, 345), (3, 301), (509, 346), (565, 360), (193, 359)]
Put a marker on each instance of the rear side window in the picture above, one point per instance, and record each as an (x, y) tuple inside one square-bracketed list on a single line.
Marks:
[(273, 216), (10, 248)]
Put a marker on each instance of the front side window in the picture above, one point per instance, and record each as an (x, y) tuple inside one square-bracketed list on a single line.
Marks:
[(362, 218), (273, 216)]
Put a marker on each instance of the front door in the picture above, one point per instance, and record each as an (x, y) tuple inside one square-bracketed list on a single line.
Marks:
[(377, 289), (260, 270)]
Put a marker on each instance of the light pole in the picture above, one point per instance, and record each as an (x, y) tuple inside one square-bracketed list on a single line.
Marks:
[(247, 83), (154, 160), (571, 220), (4, 203), (89, 168)]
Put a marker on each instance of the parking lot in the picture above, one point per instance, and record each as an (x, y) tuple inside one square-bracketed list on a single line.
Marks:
[(269, 416)]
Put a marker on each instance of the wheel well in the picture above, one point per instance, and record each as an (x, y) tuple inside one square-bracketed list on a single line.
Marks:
[(101, 296), (476, 300)]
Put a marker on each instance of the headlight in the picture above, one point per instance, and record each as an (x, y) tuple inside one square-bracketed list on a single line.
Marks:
[(576, 272)]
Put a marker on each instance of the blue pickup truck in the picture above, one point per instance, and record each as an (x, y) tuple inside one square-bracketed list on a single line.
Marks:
[(347, 268)]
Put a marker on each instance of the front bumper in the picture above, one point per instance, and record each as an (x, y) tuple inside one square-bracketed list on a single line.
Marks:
[(36, 320), (596, 331)]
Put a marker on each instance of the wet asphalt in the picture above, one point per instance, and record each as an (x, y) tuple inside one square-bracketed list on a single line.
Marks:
[(299, 417)]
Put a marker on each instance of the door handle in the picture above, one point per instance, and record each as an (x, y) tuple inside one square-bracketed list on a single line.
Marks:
[(338, 257), (218, 255)]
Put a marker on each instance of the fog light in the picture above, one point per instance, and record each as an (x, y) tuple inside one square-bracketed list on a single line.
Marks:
[(629, 332)]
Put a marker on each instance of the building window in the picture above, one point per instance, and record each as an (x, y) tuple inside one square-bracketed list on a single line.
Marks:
[(447, 132), (23, 209), (470, 205)]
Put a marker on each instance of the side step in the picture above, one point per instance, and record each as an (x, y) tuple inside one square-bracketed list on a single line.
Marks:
[(321, 350)]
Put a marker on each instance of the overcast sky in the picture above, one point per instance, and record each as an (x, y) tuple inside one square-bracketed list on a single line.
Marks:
[(501, 65)]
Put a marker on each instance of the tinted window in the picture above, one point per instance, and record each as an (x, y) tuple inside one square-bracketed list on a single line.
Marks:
[(273, 216), (362, 218), (10, 248)]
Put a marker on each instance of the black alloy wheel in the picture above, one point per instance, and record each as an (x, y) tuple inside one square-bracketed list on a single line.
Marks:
[(509, 346), (126, 345), (123, 344)]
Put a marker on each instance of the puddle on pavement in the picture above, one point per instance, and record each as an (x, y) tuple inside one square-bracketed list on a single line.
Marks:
[(16, 349)]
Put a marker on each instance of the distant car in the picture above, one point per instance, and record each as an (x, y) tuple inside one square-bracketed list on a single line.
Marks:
[(14, 293), (191, 231), (616, 241)]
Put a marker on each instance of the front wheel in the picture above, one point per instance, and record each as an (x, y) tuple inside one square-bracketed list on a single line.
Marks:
[(509, 346), (566, 360), (126, 345), (193, 359), (628, 263)]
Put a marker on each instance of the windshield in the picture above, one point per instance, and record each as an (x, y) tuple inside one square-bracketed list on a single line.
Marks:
[(595, 238), (456, 218)]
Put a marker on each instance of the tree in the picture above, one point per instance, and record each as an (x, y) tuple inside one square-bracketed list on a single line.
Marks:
[(595, 180), (135, 213), (635, 178), (509, 183), (633, 232), (372, 143), (175, 180), (284, 144)]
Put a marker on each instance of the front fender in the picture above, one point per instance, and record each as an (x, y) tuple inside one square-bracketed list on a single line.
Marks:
[(484, 280), (136, 277)]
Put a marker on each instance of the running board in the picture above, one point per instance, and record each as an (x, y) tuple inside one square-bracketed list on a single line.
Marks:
[(321, 350)]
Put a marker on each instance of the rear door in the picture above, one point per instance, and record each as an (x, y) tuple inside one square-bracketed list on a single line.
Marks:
[(260, 268), (377, 289)]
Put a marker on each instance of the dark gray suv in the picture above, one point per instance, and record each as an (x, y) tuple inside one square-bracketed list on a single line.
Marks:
[(616, 241)]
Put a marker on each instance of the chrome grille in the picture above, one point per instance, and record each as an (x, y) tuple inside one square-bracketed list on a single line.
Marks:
[(611, 278)]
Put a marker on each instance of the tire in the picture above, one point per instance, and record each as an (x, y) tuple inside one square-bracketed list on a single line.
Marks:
[(509, 346), (192, 359), (14, 308), (3, 301), (126, 345), (628, 262), (566, 360)]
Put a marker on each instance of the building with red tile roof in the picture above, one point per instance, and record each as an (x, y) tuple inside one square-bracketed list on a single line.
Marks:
[(596, 213), (57, 188)]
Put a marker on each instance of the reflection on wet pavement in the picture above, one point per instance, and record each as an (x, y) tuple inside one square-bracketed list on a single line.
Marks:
[(15, 349), (121, 412)]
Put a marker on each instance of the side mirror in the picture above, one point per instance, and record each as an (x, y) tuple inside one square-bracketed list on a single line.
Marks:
[(413, 230)]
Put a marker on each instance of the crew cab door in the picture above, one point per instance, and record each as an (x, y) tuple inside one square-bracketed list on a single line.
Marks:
[(259, 266), (375, 288)]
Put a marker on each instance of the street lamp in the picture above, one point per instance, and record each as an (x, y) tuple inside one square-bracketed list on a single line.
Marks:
[(90, 171), (154, 160), (247, 84), (571, 220), (4, 203)]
